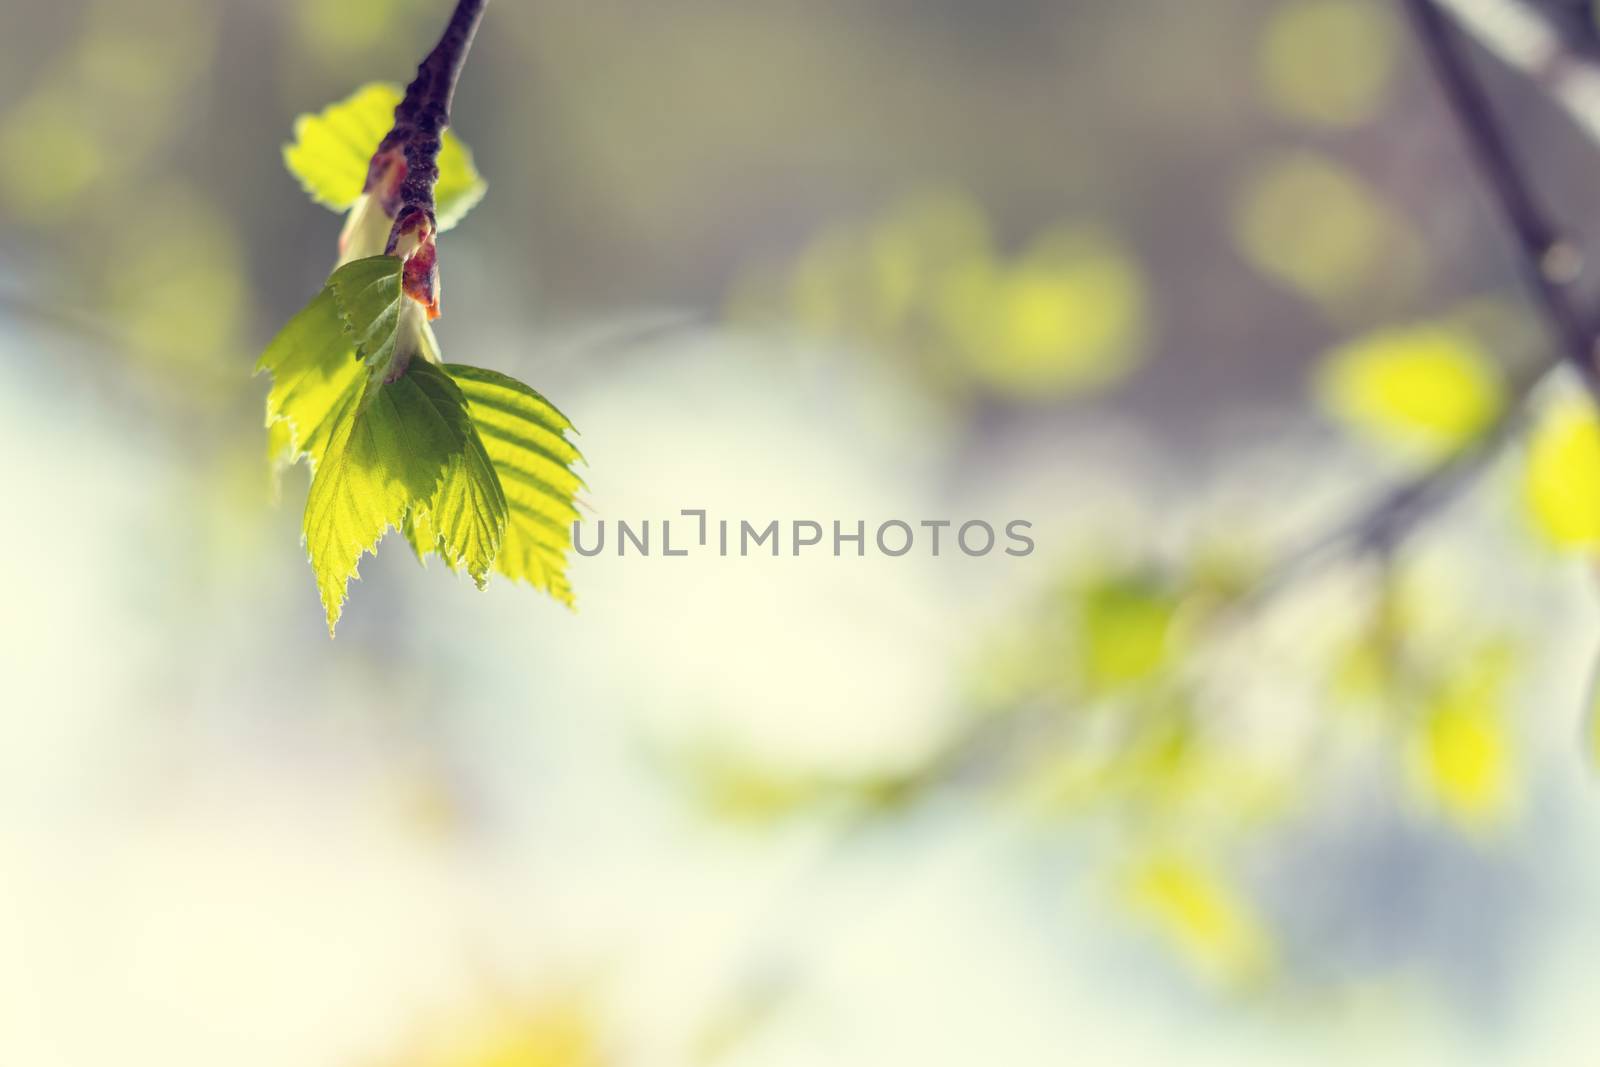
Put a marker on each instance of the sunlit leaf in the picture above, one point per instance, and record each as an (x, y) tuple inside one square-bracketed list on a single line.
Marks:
[(1464, 754), (406, 452), (1214, 928), (1467, 761), (314, 360), (1562, 480), (525, 437), (1423, 388), (315, 372), (332, 148), (367, 295), (404, 441), (465, 519), (395, 450), (1126, 625)]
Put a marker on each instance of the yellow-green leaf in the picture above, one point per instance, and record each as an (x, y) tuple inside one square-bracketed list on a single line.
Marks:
[(1127, 628), (315, 373), (1464, 753), (465, 519), (332, 148), (1213, 926), (525, 438), (1426, 388), (367, 295), (402, 443), (1562, 480)]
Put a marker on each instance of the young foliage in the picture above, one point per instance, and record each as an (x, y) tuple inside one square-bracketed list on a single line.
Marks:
[(314, 372), (332, 149), (524, 436), (367, 294), (1207, 919), (1563, 475), (396, 441), (468, 464), (1464, 758), (1425, 389), (405, 445)]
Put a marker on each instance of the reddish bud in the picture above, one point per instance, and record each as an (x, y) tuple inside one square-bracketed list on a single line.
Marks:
[(412, 240)]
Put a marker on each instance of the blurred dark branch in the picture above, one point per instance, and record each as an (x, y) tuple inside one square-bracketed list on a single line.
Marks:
[(1551, 43), (1550, 262), (1381, 525), (1555, 48)]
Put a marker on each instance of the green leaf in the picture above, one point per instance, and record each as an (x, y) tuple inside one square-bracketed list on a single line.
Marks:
[(1426, 388), (1218, 930), (332, 148), (315, 373), (525, 438), (399, 453), (1562, 477), (313, 360), (367, 295), (465, 519), (405, 443), (1464, 754), (1128, 630)]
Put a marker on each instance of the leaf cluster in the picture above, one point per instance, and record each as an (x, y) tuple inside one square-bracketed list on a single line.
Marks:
[(469, 464)]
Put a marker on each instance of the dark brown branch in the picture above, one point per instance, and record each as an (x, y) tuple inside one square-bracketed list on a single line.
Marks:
[(405, 168), (422, 115)]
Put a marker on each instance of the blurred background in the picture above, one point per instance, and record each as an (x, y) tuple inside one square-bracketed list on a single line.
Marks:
[(1181, 284)]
